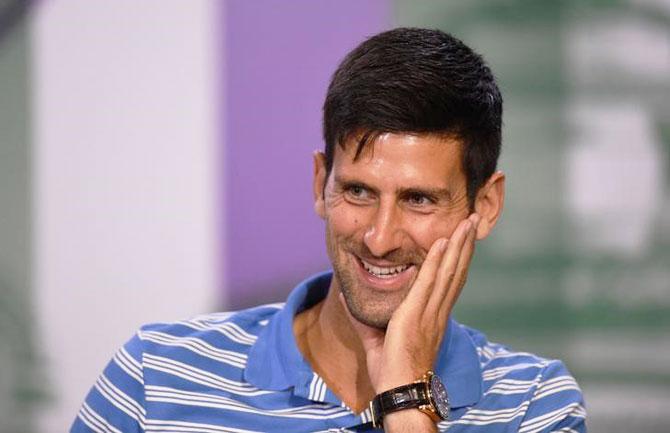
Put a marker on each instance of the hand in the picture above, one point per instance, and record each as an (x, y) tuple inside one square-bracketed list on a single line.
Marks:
[(412, 339)]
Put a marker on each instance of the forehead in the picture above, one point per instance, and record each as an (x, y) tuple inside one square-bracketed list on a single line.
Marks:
[(416, 158)]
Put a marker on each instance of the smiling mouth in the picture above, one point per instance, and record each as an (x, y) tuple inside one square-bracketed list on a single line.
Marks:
[(384, 271)]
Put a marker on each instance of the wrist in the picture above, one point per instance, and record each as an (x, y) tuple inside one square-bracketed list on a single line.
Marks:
[(427, 395), (396, 380), (391, 384), (410, 420)]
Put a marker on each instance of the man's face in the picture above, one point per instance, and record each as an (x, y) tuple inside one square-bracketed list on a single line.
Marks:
[(383, 211)]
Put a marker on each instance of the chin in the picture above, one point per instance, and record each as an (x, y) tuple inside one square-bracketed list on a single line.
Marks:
[(369, 301), (374, 310), (380, 322)]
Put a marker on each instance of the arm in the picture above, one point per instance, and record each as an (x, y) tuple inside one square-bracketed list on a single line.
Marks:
[(116, 402), (409, 346)]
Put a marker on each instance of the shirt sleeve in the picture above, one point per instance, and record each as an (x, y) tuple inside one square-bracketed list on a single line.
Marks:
[(116, 402), (557, 404)]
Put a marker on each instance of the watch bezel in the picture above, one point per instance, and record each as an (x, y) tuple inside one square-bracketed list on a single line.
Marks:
[(440, 406)]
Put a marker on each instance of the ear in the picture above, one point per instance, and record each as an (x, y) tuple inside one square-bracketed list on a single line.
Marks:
[(489, 203), (319, 183)]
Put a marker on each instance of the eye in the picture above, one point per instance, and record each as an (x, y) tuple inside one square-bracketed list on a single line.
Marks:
[(357, 192), (418, 199)]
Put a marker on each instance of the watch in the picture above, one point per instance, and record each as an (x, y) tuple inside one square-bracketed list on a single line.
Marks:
[(427, 394)]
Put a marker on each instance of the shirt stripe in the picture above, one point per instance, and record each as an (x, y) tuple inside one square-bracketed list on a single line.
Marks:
[(191, 376)]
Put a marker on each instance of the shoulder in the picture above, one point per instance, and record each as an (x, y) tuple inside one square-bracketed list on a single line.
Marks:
[(201, 351), (499, 361), (207, 334), (208, 341), (540, 394)]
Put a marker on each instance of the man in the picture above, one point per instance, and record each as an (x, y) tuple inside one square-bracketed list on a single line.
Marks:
[(407, 184)]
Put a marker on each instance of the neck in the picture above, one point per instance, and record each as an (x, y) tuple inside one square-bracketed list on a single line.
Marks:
[(327, 340)]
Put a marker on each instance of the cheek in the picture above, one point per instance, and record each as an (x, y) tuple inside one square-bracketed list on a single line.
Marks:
[(346, 221), (425, 231)]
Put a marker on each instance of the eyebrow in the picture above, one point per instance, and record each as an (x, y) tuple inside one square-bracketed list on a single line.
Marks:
[(353, 182), (440, 193)]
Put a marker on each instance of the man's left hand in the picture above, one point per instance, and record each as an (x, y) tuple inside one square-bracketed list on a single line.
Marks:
[(408, 348)]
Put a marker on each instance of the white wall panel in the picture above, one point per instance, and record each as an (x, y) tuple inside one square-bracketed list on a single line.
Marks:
[(126, 183)]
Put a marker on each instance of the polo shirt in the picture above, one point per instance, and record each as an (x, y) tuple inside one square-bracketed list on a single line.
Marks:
[(243, 372)]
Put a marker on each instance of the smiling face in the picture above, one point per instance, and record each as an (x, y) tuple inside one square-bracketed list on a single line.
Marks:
[(383, 211)]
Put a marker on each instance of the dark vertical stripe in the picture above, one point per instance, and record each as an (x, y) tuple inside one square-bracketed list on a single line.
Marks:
[(22, 387)]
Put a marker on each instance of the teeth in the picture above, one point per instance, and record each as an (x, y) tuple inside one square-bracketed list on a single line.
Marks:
[(383, 272)]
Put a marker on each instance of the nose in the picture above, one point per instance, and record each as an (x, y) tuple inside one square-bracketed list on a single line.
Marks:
[(384, 234)]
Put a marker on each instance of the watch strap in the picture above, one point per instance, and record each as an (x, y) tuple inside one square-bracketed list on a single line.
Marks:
[(408, 396)]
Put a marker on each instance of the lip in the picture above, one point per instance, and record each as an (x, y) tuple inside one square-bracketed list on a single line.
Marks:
[(389, 284)]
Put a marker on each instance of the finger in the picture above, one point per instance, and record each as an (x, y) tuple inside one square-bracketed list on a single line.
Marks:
[(466, 258), (420, 290), (460, 275), (448, 265)]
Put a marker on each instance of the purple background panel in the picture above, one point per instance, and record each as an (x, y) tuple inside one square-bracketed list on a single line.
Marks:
[(279, 58)]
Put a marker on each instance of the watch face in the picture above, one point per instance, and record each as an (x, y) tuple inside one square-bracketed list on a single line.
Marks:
[(440, 398)]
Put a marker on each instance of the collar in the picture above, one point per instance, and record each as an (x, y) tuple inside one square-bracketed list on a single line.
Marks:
[(275, 363)]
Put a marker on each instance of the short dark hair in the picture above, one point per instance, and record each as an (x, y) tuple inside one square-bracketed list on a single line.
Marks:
[(411, 80)]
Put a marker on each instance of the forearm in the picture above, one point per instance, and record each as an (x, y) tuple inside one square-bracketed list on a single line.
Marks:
[(409, 421)]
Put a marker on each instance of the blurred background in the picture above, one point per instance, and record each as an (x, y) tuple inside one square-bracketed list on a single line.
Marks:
[(155, 163)]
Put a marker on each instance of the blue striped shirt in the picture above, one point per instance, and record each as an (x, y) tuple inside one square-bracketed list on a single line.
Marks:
[(243, 372)]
